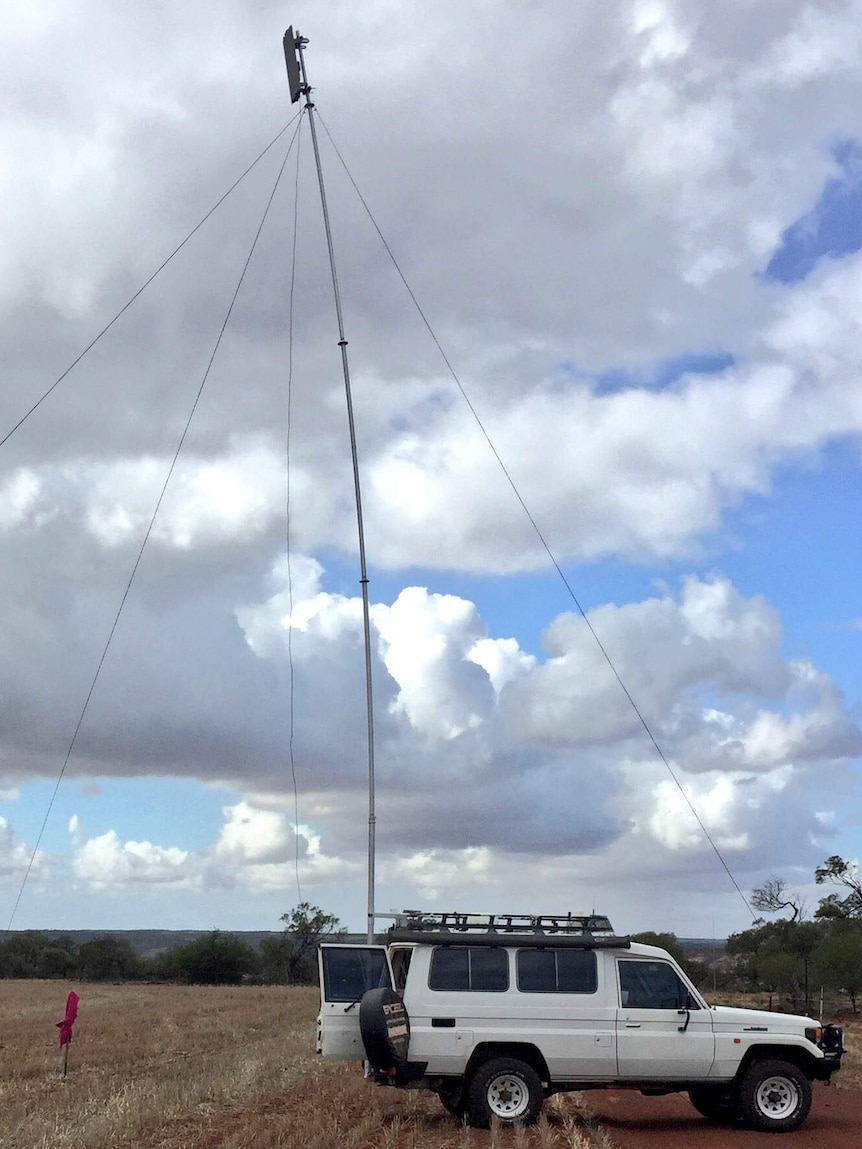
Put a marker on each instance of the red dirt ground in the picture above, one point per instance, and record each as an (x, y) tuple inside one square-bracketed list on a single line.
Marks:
[(633, 1121)]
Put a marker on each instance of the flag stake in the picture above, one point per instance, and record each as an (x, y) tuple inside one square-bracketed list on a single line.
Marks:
[(65, 1028)]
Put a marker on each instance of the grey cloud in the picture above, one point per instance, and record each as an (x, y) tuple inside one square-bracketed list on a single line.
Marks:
[(605, 199)]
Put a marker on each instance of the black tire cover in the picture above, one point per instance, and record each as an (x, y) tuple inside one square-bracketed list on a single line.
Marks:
[(385, 1028)]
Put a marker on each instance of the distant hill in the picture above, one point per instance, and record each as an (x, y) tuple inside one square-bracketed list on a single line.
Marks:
[(148, 943), (707, 949)]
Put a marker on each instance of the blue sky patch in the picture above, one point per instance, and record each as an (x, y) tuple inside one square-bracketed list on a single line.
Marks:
[(666, 372), (833, 227)]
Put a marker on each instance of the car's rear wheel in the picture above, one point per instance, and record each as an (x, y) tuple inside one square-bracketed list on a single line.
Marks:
[(507, 1089), (715, 1104), (452, 1101)]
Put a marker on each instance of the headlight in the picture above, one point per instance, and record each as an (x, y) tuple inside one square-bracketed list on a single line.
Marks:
[(814, 1033)]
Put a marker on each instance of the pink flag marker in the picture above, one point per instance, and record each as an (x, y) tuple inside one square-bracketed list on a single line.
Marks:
[(65, 1026)]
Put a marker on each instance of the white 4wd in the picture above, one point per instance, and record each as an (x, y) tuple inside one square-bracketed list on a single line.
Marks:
[(495, 1013)]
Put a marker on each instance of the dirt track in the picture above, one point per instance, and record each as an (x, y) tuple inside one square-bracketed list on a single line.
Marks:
[(632, 1121), (613, 1119)]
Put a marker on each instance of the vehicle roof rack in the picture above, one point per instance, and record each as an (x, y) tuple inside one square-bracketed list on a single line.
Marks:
[(581, 931)]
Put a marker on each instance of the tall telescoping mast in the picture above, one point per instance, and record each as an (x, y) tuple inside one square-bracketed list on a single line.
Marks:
[(299, 86)]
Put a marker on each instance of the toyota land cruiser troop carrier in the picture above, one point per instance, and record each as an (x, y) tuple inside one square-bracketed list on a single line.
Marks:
[(494, 1013)]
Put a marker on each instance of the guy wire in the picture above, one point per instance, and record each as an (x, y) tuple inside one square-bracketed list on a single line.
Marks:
[(148, 532), (542, 540), (145, 284)]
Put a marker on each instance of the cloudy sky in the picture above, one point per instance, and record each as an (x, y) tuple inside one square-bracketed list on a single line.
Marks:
[(635, 229)]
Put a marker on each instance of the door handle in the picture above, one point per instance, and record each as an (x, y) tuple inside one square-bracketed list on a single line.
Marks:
[(633, 1025)]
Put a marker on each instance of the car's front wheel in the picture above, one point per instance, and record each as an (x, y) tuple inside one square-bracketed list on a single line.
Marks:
[(507, 1089), (775, 1096)]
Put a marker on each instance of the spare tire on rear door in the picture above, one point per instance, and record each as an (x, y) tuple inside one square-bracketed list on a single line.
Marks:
[(385, 1028)]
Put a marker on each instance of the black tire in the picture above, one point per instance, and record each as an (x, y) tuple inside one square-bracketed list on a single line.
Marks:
[(507, 1089), (385, 1028), (715, 1104), (774, 1096)]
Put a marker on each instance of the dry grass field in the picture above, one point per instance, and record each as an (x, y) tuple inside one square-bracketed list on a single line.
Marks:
[(176, 1067), (149, 1065), (171, 1067), (850, 1076)]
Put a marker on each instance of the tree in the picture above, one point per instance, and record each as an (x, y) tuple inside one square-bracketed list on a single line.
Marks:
[(743, 950), (108, 958), (773, 896), (31, 953), (214, 959), (838, 960), (56, 961), (802, 940), (291, 958), (668, 942), (694, 967), (776, 957), (841, 873)]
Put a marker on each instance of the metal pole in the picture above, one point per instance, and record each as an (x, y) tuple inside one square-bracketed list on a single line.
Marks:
[(300, 43)]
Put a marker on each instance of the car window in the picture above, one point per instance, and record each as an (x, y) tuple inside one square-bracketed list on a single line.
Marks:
[(348, 973), (400, 959), (652, 985), (557, 971), (477, 969)]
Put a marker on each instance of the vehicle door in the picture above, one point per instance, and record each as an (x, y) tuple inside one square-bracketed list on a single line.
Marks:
[(564, 1006), (346, 973), (664, 1030), (455, 996)]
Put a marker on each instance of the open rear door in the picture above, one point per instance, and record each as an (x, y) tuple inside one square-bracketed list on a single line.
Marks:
[(346, 973)]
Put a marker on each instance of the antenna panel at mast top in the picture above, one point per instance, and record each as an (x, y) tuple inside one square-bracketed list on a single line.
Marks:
[(293, 77)]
